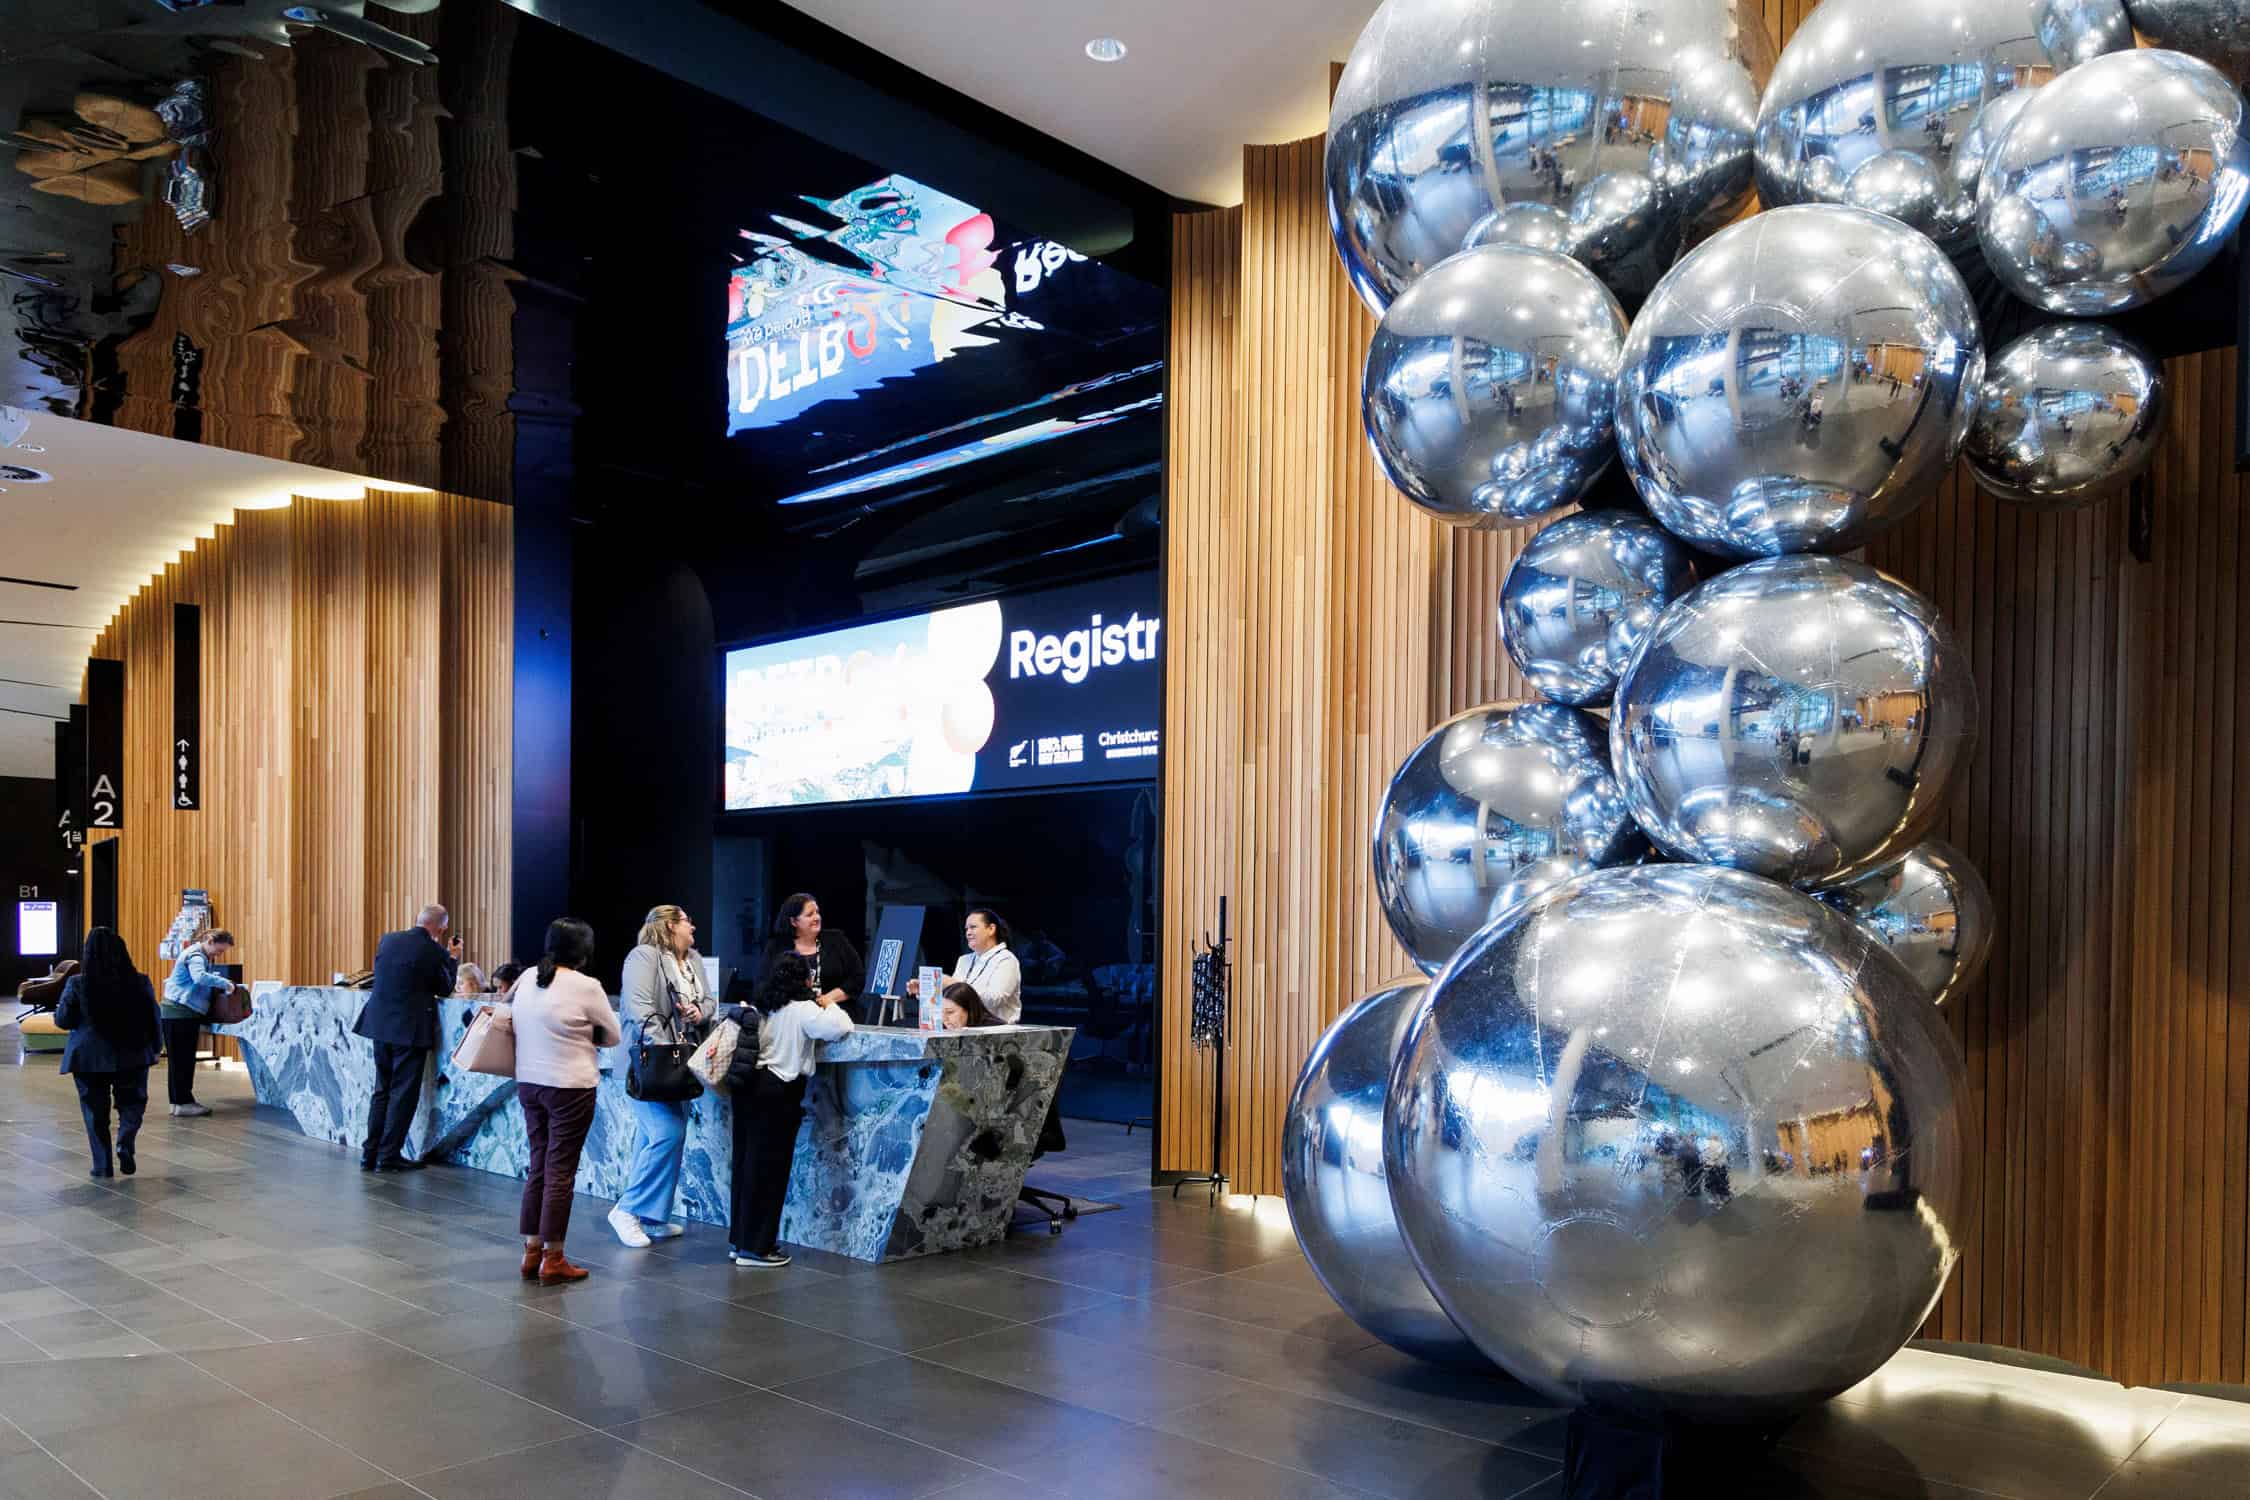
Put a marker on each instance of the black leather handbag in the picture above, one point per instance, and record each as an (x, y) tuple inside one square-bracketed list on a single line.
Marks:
[(658, 1072)]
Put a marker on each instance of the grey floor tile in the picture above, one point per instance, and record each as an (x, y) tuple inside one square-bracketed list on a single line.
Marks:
[(744, 1344), (211, 1333), (1143, 1462), (1192, 1338), (1082, 1372), (1263, 1305), (497, 1325), (2191, 1445), (2066, 1459), (785, 1450), (990, 1289), (27, 1472), (593, 1465), (1382, 1380), (1103, 1271), (213, 1450), (595, 1379), (83, 1334), (985, 1421), (20, 1303), (1356, 1448), (875, 1313), (15, 1349)]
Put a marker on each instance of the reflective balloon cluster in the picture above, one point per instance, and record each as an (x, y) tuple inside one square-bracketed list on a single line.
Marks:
[(1494, 807), (1582, 596), (1930, 907), (2067, 414), (1611, 130), (1889, 105), (1489, 386)]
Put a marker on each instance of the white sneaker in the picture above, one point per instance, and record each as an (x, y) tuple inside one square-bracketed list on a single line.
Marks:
[(664, 1231), (190, 1111), (628, 1229)]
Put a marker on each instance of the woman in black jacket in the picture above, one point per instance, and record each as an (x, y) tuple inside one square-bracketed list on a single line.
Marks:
[(837, 971), (109, 1009)]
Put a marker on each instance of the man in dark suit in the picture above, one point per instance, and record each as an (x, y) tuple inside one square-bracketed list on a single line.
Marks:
[(413, 970)]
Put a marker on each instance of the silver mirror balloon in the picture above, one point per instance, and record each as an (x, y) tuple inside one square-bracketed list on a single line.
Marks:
[(1681, 1141), (1332, 1179), (1582, 595), (1489, 387), (1625, 124), (1798, 382), (2218, 31), (1931, 909), (1494, 806), (1802, 718), (2066, 415), (1883, 104), (2115, 184)]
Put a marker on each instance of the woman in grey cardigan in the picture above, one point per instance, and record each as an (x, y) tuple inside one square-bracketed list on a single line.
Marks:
[(664, 1001)]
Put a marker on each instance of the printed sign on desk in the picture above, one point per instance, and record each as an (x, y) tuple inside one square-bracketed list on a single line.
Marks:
[(933, 1003)]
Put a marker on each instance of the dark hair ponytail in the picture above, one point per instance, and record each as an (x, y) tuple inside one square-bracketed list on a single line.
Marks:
[(570, 944), (788, 978), (999, 923)]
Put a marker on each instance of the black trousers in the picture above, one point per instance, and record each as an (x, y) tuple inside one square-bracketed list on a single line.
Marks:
[(180, 1041), (767, 1115), (95, 1091), (555, 1122), (390, 1113)]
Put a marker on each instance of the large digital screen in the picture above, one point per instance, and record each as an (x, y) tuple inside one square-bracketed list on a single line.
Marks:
[(38, 930), (1062, 687)]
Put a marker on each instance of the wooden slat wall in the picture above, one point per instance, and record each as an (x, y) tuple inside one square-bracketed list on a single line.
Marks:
[(357, 661), (2108, 1046)]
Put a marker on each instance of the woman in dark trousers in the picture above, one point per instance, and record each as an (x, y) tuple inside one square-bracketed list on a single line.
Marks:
[(835, 965), (109, 1009), (562, 1021), (768, 1108)]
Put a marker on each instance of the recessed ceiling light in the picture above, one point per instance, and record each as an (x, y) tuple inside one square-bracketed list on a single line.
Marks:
[(1105, 49)]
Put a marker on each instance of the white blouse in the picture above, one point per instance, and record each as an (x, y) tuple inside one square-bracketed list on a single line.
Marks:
[(997, 978), (788, 1037)]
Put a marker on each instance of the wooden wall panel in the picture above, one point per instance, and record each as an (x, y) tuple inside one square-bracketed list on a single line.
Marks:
[(2108, 1045), (357, 659)]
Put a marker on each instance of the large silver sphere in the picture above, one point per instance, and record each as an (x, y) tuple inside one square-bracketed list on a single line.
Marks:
[(2115, 184), (2066, 415), (1800, 717), (1495, 806), (1798, 382), (1680, 1141), (1631, 119), (1876, 102), (1931, 909), (1582, 595), (1332, 1178), (2218, 31), (1490, 386)]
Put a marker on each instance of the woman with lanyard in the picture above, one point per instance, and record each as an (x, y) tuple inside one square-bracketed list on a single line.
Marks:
[(988, 967), (835, 965), (664, 1000)]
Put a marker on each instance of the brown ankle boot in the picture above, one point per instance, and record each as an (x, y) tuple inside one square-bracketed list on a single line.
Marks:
[(531, 1256), (554, 1270)]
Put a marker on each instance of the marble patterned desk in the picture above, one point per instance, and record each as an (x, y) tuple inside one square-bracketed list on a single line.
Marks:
[(914, 1142)]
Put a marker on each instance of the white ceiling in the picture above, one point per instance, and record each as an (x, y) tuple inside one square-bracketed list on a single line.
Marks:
[(1198, 82), (120, 506)]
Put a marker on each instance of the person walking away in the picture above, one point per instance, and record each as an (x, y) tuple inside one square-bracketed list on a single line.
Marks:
[(414, 969), (664, 1001), (109, 1009), (563, 1020), (195, 981), (768, 1110)]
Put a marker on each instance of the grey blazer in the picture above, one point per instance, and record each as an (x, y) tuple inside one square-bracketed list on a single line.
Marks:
[(646, 1000)]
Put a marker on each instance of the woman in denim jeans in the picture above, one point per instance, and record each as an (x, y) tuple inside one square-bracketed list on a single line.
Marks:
[(196, 980), (663, 1001)]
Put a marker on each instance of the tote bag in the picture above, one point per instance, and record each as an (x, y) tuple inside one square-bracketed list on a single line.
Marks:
[(489, 1045), (231, 1008), (730, 1043)]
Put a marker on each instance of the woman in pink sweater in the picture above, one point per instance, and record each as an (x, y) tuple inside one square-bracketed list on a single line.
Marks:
[(562, 1020)]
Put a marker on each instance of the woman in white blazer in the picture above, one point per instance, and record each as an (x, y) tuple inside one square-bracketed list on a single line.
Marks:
[(988, 967)]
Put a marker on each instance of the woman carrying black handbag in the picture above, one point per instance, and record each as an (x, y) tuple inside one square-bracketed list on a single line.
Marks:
[(666, 1008)]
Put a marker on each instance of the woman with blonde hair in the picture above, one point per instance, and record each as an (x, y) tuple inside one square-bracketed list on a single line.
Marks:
[(664, 1000)]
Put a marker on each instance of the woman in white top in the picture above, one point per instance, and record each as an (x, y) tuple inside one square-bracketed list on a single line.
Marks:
[(664, 1002), (794, 1019), (988, 967), (562, 1021)]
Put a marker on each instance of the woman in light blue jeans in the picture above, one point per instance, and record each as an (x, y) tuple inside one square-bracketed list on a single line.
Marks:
[(664, 1000)]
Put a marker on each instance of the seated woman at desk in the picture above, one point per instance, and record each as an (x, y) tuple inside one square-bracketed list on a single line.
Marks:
[(988, 968), (795, 1017), (964, 1008)]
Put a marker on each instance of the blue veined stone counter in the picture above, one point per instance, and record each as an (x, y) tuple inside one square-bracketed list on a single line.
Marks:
[(914, 1142)]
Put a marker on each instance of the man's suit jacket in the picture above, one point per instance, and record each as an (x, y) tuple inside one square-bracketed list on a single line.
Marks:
[(412, 973)]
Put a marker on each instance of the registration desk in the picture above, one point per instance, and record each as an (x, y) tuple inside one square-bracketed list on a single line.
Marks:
[(914, 1142)]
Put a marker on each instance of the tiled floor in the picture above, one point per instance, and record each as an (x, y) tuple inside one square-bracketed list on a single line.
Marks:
[(293, 1328)]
